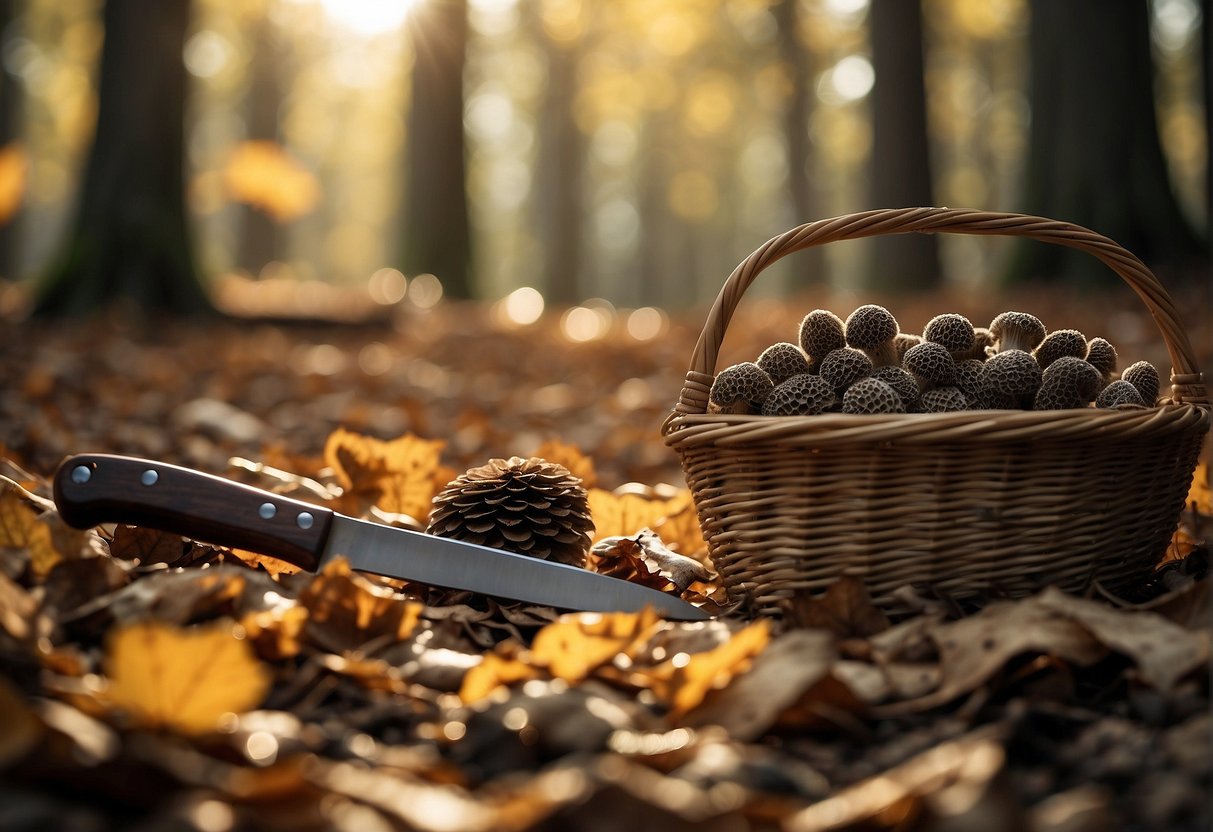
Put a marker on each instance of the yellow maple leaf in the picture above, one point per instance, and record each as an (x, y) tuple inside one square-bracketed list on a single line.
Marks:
[(573, 647), (685, 679), (625, 514), (21, 527), (182, 679), (400, 476), (571, 457)]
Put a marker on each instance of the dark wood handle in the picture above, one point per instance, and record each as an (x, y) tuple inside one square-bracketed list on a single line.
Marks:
[(101, 488)]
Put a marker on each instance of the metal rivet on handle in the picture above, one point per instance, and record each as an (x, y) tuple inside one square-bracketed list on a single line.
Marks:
[(81, 474), (149, 477), (267, 510), (305, 520)]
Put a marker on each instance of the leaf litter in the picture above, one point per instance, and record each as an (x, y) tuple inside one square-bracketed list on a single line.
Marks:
[(146, 677)]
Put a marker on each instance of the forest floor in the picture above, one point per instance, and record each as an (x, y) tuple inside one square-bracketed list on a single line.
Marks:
[(150, 682)]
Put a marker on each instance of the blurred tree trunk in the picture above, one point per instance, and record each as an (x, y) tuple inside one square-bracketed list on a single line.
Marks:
[(562, 149), (129, 240), (436, 236), (259, 235), (1094, 156), (11, 105), (795, 57), (901, 163)]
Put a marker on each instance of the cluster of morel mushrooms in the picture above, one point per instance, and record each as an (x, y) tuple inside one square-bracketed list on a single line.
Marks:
[(867, 365)]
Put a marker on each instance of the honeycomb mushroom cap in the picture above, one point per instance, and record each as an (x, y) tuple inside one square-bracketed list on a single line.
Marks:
[(930, 364), (903, 385), (782, 361), (1102, 356), (1144, 377), (903, 342), (741, 388), (1061, 343), (993, 400), (954, 332), (1067, 383), (968, 377), (1016, 331), (873, 328), (1010, 376), (871, 395), (800, 395), (943, 400), (821, 332), (1119, 392), (843, 367)]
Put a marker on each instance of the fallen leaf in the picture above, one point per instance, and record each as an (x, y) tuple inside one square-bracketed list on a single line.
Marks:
[(685, 679), (643, 558), (571, 457), (624, 512), (147, 546), (495, 671), (846, 610), (276, 633), (574, 646), (182, 679), (346, 610), (400, 476), (17, 608), (1200, 495)]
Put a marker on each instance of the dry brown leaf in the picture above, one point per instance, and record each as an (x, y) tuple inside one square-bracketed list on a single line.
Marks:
[(17, 608), (146, 545), (276, 633), (846, 610), (643, 558), (400, 476), (179, 678), (345, 610), (272, 565), (780, 676), (496, 670), (625, 513)]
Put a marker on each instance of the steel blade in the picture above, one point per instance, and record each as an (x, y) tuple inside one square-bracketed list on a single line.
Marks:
[(413, 556)]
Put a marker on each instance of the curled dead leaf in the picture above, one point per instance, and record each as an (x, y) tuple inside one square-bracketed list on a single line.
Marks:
[(346, 610), (643, 558)]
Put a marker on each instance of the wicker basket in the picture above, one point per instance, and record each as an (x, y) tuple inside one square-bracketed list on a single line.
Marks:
[(962, 505)]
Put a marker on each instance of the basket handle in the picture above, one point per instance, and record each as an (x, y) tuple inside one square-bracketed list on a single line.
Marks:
[(1187, 384)]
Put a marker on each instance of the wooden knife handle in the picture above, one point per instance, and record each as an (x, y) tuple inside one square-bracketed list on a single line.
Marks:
[(102, 488)]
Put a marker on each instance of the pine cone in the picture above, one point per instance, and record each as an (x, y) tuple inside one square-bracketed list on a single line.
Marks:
[(529, 506)]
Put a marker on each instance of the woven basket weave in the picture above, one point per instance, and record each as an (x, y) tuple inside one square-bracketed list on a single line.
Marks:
[(962, 505)]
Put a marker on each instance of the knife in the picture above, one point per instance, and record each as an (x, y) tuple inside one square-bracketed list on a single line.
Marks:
[(104, 488)]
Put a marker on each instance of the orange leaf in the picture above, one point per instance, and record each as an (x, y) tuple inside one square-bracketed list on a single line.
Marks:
[(14, 164), (182, 679), (345, 610), (1200, 495), (276, 633), (400, 476), (686, 678), (495, 671), (624, 514), (571, 457), (263, 174), (22, 527), (573, 647)]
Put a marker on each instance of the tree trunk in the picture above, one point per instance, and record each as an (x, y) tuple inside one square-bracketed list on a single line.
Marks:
[(559, 198), (129, 240), (437, 239), (796, 113), (11, 105), (901, 164), (1094, 156), (259, 235)]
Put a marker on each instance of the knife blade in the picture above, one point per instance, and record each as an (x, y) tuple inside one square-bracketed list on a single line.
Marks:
[(105, 488)]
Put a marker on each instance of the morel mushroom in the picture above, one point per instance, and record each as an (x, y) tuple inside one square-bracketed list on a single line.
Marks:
[(1102, 356), (1060, 343), (1016, 331), (968, 377), (930, 364), (782, 361), (821, 332), (954, 332), (903, 385), (903, 342), (1118, 393), (943, 400), (873, 328), (741, 388), (1067, 383), (1009, 379), (802, 395), (1144, 377), (871, 395), (843, 367)]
